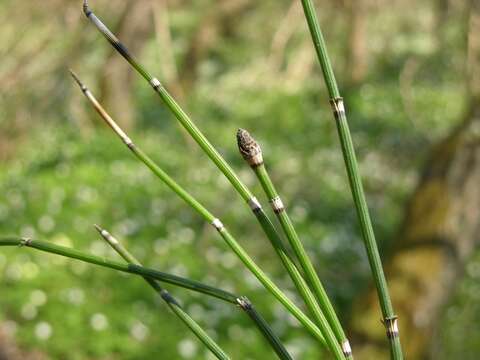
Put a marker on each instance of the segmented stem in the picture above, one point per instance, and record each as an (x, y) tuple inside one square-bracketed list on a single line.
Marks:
[(389, 317), (150, 274), (165, 295), (251, 151), (129, 268), (218, 225), (217, 159)]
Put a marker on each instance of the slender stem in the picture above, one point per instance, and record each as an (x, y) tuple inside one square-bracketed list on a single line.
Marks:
[(217, 159), (389, 317), (182, 117), (263, 326), (149, 274), (129, 268), (301, 286), (165, 295), (252, 153), (243, 303), (218, 225)]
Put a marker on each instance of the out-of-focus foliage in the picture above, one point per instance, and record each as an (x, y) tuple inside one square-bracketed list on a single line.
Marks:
[(60, 173)]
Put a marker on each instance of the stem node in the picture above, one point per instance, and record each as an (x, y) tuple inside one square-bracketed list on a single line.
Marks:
[(391, 324), (254, 204), (277, 205), (86, 9), (338, 107), (217, 224)]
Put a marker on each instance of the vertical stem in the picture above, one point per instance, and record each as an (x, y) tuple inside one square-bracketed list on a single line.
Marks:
[(252, 153), (389, 317), (165, 295)]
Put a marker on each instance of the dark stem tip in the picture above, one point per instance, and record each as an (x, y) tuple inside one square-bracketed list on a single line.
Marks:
[(78, 81), (247, 145), (86, 9)]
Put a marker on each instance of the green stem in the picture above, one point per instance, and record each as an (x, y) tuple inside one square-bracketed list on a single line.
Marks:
[(217, 159), (169, 299), (263, 326), (149, 274), (129, 268), (243, 303), (390, 319), (252, 153), (217, 224)]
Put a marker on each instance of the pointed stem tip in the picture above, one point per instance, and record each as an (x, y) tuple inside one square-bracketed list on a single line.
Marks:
[(77, 80), (105, 234), (98, 228), (249, 148), (86, 9)]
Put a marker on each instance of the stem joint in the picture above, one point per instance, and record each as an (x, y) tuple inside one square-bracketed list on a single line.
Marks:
[(338, 107), (277, 205), (391, 324)]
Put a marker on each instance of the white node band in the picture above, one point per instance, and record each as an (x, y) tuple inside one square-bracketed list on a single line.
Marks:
[(346, 348), (392, 327), (254, 204), (217, 224), (155, 83), (277, 205)]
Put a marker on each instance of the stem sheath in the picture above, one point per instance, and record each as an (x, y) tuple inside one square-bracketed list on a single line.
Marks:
[(390, 319)]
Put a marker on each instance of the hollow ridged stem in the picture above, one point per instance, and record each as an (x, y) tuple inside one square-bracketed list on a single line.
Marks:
[(126, 268), (326, 338), (167, 297), (252, 153), (301, 285), (243, 303), (151, 274), (217, 159), (389, 317)]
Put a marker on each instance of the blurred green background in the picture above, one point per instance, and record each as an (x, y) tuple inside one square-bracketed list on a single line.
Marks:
[(403, 69)]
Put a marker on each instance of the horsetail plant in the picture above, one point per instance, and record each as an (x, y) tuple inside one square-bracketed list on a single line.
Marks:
[(218, 160), (171, 302), (243, 303), (390, 320), (324, 335), (152, 276), (252, 153)]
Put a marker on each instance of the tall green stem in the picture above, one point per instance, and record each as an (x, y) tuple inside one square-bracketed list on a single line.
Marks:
[(389, 317), (252, 153), (169, 299), (325, 336), (218, 160)]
